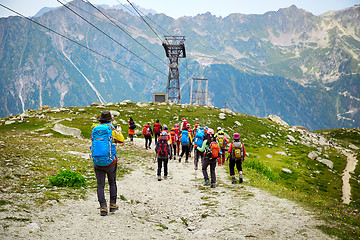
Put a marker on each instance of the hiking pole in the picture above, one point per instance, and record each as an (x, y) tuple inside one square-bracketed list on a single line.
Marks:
[(195, 178)]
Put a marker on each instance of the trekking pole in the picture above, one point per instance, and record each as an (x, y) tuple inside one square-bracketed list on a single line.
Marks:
[(195, 178)]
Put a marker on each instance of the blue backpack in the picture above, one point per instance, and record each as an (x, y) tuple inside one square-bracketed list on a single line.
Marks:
[(185, 138), (102, 149), (199, 137)]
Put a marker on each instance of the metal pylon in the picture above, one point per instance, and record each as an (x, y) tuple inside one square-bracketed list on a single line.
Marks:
[(174, 48)]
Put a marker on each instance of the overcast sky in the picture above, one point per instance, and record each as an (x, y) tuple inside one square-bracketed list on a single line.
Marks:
[(181, 8)]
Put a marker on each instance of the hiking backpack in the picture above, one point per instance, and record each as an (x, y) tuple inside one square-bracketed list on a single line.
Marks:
[(221, 140), (173, 136), (185, 140), (214, 149), (132, 125), (199, 138), (103, 150), (163, 145), (237, 151), (146, 131), (157, 128)]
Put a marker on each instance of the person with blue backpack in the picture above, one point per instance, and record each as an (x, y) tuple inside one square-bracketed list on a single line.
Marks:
[(163, 152), (186, 140), (198, 140), (103, 154)]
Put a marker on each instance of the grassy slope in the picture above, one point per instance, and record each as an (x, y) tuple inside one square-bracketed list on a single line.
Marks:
[(29, 157)]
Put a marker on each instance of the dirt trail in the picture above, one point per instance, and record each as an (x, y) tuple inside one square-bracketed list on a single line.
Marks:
[(350, 167), (178, 208)]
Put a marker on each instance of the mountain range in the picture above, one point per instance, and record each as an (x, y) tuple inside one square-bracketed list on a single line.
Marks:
[(301, 67)]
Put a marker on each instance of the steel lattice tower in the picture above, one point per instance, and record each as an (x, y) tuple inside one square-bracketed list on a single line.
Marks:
[(174, 48)]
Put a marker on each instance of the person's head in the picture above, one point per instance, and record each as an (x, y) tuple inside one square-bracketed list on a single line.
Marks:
[(176, 125), (149, 123), (165, 127), (105, 117), (131, 119), (236, 137), (209, 134), (219, 129), (188, 125), (157, 120)]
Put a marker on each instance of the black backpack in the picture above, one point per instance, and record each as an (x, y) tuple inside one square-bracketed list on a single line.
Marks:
[(163, 146), (132, 125)]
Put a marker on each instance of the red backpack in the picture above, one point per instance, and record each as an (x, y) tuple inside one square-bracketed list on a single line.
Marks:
[(157, 128), (173, 135), (146, 131), (163, 145), (215, 149)]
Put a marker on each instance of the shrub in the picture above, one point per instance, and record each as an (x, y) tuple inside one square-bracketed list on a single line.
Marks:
[(261, 168), (67, 179)]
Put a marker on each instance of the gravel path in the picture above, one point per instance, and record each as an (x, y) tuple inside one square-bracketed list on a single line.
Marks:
[(177, 208)]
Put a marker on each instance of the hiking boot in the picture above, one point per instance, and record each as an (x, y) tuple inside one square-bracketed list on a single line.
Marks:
[(113, 207), (186, 161), (180, 159), (234, 181), (103, 211), (240, 178), (213, 185), (159, 178), (174, 158), (206, 183)]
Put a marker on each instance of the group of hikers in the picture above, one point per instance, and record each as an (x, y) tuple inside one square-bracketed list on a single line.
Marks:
[(209, 148)]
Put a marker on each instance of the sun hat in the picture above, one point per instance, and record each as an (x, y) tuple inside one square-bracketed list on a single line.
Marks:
[(219, 128), (105, 116), (236, 136), (210, 131)]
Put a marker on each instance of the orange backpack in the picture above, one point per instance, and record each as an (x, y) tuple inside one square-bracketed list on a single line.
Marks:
[(215, 149)]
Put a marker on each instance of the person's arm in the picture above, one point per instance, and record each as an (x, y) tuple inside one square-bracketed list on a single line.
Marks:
[(244, 152), (157, 147), (230, 148), (202, 148)]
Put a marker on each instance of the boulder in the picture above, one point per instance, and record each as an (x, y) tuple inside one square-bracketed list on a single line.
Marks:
[(238, 123), (291, 138), (114, 113), (139, 104), (281, 153), (326, 162), (9, 122), (227, 111), (69, 131), (95, 104), (126, 101), (286, 170), (278, 120), (352, 146), (222, 116), (268, 156), (45, 107), (313, 155)]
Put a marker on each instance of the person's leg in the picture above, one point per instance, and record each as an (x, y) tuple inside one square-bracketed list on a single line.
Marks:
[(178, 147), (174, 152), (131, 137), (212, 170), (196, 158), (111, 173), (150, 140), (166, 168), (205, 164), (187, 149), (232, 170), (100, 179), (223, 156), (146, 142), (239, 168), (159, 167), (156, 137)]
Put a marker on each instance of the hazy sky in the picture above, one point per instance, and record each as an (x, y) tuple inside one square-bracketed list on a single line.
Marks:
[(180, 8)]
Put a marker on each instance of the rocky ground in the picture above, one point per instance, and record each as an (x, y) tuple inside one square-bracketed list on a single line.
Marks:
[(177, 208)]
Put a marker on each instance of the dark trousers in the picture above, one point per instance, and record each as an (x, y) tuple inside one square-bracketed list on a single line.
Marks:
[(197, 155), (212, 163), (131, 136), (157, 135), (101, 172), (160, 162), (232, 163), (185, 149), (148, 140), (174, 149)]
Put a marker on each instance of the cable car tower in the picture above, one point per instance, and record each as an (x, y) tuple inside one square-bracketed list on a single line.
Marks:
[(174, 48)]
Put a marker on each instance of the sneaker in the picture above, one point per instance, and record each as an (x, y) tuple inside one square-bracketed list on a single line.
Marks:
[(159, 178), (213, 185), (179, 159), (165, 177), (240, 178), (175, 158), (103, 211), (113, 207), (234, 181), (206, 183), (186, 161)]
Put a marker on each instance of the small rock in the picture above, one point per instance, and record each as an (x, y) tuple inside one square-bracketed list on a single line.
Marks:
[(238, 123), (313, 155), (291, 138), (281, 153), (34, 227), (81, 110), (326, 162), (9, 122), (114, 113), (268, 156), (95, 104), (222, 116), (286, 170), (352, 146)]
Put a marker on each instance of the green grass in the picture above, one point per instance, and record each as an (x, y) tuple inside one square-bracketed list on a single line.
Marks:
[(30, 159)]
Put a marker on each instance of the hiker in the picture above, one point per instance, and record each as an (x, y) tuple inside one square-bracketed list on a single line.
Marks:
[(178, 133), (211, 151), (198, 141), (103, 153), (147, 135), (237, 156), (174, 140), (192, 137), (132, 127), (222, 140), (163, 151), (183, 123), (185, 139), (157, 130)]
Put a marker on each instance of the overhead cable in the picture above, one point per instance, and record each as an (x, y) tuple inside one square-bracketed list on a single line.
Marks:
[(71, 40), (107, 35), (125, 31)]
